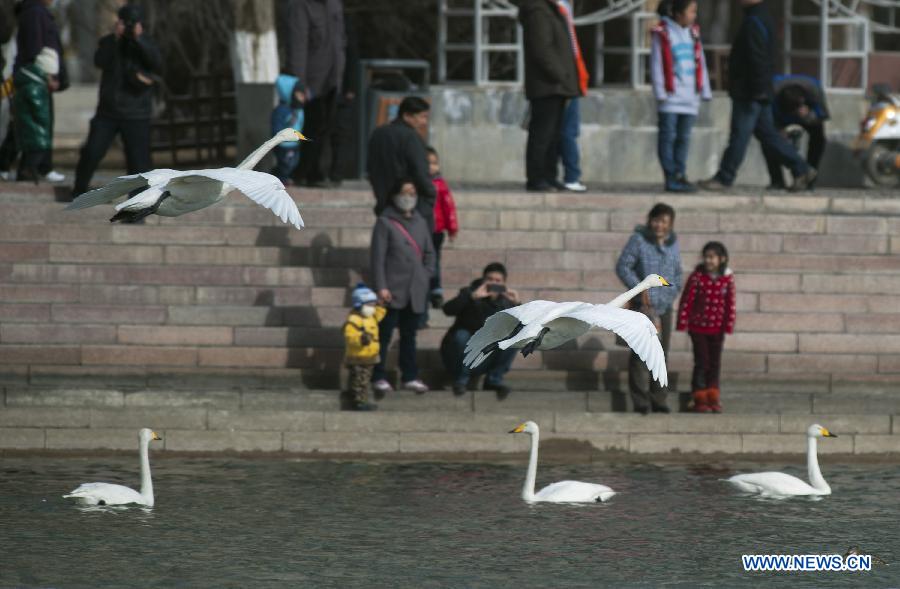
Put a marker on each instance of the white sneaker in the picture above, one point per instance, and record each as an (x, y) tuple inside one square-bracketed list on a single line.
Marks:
[(575, 187), (54, 176), (382, 386), (6, 176), (417, 386)]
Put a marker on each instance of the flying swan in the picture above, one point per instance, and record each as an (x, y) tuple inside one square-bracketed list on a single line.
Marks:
[(779, 484), (110, 494), (563, 491), (171, 193), (544, 325)]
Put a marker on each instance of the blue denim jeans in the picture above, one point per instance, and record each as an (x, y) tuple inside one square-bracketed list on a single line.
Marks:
[(673, 142), (568, 142), (755, 118), (407, 321), (453, 350), (286, 160)]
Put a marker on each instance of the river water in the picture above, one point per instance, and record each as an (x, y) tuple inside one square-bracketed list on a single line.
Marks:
[(234, 522)]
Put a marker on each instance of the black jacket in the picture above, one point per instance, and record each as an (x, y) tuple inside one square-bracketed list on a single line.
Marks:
[(122, 94), (550, 67), (313, 37), (7, 25), (471, 313), (396, 151), (751, 63), (36, 30)]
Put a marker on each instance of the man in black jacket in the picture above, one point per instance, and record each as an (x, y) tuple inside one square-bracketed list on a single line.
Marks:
[(397, 151), (471, 308), (800, 103), (314, 40), (131, 63), (551, 78), (750, 67)]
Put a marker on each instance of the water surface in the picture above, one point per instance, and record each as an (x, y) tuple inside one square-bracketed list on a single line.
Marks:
[(282, 523)]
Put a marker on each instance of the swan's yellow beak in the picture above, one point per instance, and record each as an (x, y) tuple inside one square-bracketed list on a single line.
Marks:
[(518, 429), (154, 436), (664, 281), (828, 434), (301, 136)]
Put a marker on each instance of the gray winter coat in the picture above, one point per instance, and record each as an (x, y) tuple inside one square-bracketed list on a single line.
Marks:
[(397, 264), (314, 40)]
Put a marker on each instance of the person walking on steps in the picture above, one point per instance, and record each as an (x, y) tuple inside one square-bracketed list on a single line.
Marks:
[(750, 68)]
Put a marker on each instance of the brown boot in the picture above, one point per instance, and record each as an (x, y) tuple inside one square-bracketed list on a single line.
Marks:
[(701, 401), (713, 399)]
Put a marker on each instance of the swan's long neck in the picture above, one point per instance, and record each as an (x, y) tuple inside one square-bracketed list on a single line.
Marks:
[(812, 464), (146, 481), (528, 488), (250, 162), (623, 298)]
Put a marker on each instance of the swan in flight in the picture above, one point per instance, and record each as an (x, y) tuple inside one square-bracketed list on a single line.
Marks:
[(110, 494), (544, 325), (171, 193), (779, 484), (563, 491)]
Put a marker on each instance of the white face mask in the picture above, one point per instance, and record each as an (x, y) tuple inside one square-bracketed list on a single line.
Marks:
[(405, 202), (367, 310)]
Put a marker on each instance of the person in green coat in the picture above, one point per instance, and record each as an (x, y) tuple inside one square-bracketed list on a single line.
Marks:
[(34, 114)]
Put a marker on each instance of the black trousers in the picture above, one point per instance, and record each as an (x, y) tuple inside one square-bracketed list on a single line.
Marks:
[(319, 125), (135, 139), (9, 150), (35, 164), (814, 153), (707, 360), (542, 149), (647, 393)]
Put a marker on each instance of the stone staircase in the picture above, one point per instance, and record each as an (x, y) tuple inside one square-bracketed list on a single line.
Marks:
[(229, 302)]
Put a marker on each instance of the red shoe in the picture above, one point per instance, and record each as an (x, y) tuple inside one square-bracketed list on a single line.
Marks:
[(701, 401), (713, 400)]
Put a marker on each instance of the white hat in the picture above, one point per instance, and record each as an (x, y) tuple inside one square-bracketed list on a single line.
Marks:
[(48, 61)]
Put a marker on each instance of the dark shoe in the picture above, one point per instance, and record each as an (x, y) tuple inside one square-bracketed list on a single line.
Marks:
[(540, 187), (502, 390), (776, 187), (459, 389), (661, 409), (678, 186), (364, 406), (437, 301), (642, 410), (713, 184), (804, 181)]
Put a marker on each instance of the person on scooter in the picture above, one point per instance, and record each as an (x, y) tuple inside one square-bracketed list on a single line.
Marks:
[(799, 103)]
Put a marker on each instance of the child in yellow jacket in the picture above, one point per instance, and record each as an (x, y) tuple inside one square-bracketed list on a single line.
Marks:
[(362, 345)]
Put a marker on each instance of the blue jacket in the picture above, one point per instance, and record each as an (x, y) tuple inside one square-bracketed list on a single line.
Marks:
[(642, 256), (283, 115)]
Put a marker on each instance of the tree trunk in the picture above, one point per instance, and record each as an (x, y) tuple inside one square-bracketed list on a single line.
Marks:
[(254, 46)]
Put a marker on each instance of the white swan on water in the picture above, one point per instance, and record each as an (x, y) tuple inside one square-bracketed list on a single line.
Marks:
[(544, 325), (779, 484), (171, 193), (563, 491), (110, 494)]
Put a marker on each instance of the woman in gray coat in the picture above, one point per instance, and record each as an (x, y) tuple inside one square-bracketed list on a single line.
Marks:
[(403, 261)]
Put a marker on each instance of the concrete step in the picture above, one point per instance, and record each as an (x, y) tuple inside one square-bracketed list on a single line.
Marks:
[(434, 432)]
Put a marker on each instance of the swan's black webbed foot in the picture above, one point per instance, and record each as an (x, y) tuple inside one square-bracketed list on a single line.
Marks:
[(135, 216), (491, 348), (533, 345)]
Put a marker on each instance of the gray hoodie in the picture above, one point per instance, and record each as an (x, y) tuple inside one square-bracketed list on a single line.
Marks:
[(685, 99)]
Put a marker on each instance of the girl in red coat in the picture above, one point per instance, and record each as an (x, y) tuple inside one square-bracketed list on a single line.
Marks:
[(707, 312), (444, 222)]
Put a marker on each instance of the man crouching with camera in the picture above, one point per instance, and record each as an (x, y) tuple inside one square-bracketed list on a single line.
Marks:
[(471, 308)]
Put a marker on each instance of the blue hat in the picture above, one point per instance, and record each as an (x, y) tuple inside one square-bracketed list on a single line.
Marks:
[(362, 294)]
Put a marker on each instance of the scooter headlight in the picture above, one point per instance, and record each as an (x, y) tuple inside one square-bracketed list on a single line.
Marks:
[(891, 115)]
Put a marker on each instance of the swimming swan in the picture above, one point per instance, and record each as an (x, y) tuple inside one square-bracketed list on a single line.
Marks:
[(779, 484), (171, 193), (563, 491), (544, 325), (110, 494)]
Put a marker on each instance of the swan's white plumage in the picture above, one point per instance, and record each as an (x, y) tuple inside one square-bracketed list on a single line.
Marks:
[(112, 494), (567, 321), (563, 491), (192, 190), (779, 484)]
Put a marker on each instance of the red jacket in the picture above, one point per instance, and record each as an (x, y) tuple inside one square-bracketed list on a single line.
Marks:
[(707, 304), (444, 208)]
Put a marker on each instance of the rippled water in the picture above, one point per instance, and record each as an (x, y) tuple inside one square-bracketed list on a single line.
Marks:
[(272, 523)]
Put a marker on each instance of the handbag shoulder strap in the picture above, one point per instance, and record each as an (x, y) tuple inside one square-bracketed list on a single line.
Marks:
[(409, 238)]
